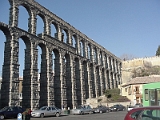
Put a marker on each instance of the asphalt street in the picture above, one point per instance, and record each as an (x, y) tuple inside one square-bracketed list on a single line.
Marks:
[(104, 116)]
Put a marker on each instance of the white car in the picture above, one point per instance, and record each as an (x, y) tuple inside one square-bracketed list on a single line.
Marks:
[(82, 109), (130, 108), (46, 111)]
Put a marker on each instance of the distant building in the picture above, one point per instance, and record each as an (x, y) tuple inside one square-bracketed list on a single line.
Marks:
[(151, 94), (133, 89)]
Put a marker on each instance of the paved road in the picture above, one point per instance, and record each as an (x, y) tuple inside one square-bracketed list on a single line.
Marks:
[(105, 116)]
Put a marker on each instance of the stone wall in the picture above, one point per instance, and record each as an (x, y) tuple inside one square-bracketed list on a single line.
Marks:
[(129, 65)]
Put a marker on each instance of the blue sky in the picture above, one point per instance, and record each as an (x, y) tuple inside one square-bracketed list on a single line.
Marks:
[(129, 27)]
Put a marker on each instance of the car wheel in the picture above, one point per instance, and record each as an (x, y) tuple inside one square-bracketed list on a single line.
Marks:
[(107, 111), (81, 113), (91, 112), (57, 114), (42, 115), (100, 111), (1, 117)]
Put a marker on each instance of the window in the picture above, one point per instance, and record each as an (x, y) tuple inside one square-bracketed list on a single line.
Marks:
[(135, 114), (146, 94), (125, 89), (129, 91), (151, 115)]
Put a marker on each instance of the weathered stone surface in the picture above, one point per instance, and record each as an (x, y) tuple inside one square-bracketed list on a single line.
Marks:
[(81, 71)]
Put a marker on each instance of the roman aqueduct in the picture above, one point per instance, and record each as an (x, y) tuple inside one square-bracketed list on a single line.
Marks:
[(82, 68)]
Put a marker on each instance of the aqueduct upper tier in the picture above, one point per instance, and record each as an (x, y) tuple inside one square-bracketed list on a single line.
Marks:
[(80, 69)]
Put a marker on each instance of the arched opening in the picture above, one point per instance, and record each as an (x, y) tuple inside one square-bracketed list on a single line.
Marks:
[(56, 80), (112, 85), (43, 80), (21, 57), (24, 59), (103, 81), (82, 48), (89, 51), (106, 61), (110, 65), (74, 41), (85, 73), (95, 55), (2, 40), (77, 82), (4, 10), (54, 30), (108, 79), (113, 64), (5, 66), (100, 58), (67, 74), (23, 18), (92, 80), (64, 36), (40, 25), (98, 86)]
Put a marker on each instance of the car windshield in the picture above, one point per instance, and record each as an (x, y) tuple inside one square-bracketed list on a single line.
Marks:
[(79, 107), (43, 108), (4, 109)]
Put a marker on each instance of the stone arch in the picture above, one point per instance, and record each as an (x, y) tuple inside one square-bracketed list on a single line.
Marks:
[(26, 93), (105, 61), (59, 83), (6, 32), (104, 87), (77, 81), (55, 26), (91, 69), (43, 76), (98, 86), (74, 41), (6, 67), (85, 80), (111, 78), (109, 62), (108, 79), (65, 35), (56, 80), (82, 48), (100, 58), (5, 8), (95, 55), (89, 51), (67, 73), (27, 8), (2, 43), (42, 17)]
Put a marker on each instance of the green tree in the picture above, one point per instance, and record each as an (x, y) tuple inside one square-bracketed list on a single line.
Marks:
[(158, 51)]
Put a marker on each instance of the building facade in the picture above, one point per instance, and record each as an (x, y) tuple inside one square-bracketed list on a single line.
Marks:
[(82, 68), (151, 94), (135, 89)]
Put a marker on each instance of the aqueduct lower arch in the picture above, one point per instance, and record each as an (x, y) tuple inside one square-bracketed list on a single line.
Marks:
[(75, 77)]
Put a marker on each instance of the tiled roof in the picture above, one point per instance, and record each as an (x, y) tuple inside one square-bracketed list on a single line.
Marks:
[(142, 80)]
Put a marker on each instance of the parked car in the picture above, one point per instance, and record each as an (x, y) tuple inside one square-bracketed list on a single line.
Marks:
[(135, 106), (82, 109), (46, 111), (101, 109), (10, 112), (117, 107), (142, 113), (130, 108)]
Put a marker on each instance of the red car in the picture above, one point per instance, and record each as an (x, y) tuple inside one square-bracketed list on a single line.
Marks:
[(141, 113)]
